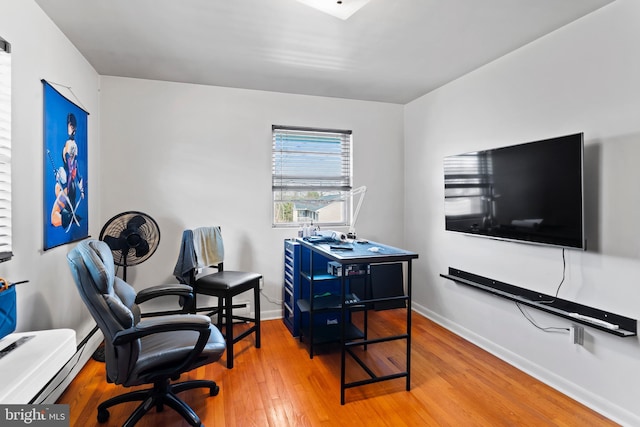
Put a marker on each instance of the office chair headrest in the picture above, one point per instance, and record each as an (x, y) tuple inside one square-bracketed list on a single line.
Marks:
[(119, 296), (98, 259)]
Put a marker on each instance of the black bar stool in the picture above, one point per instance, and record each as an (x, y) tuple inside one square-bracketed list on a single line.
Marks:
[(225, 285)]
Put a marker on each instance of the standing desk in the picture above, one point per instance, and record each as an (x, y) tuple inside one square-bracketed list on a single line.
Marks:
[(362, 253)]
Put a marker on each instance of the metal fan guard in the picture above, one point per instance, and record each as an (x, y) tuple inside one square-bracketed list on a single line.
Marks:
[(150, 231)]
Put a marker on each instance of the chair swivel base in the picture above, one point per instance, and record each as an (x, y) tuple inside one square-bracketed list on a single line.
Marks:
[(163, 392)]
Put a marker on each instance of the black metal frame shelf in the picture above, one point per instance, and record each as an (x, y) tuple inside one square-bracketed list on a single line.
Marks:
[(340, 300), (578, 313), (329, 302), (325, 334)]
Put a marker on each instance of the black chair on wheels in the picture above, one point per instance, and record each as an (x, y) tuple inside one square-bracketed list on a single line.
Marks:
[(223, 284), (143, 351)]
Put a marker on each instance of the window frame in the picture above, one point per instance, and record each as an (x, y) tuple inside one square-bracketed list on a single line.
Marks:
[(291, 173)]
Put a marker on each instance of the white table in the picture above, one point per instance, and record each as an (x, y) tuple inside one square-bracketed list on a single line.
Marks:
[(27, 369)]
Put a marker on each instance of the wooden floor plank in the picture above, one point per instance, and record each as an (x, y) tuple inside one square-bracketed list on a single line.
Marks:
[(453, 383)]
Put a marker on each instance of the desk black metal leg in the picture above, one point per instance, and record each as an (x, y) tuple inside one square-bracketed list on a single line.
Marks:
[(368, 292), (311, 310), (343, 328), (342, 374), (256, 316), (408, 387)]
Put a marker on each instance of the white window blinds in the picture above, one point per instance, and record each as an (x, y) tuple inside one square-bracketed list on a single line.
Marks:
[(5, 151), (311, 158)]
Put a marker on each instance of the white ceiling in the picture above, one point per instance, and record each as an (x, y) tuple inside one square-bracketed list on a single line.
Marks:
[(390, 50)]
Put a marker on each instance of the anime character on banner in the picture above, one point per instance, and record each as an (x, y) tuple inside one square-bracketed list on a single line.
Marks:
[(65, 168), (69, 186)]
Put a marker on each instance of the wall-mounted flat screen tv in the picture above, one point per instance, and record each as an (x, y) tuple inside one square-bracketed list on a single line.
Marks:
[(530, 192)]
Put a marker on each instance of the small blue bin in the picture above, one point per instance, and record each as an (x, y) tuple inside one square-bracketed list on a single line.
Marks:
[(7, 311)]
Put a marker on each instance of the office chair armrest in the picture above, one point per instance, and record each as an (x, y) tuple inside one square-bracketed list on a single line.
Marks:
[(180, 290), (154, 325)]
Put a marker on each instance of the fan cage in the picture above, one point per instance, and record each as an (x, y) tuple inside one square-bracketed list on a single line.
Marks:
[(147, 231)]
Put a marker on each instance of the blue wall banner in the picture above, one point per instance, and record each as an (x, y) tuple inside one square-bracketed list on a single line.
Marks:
[(65, 165)]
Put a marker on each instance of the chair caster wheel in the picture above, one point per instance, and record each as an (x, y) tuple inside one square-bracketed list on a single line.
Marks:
[(213, 391), (103, 415)]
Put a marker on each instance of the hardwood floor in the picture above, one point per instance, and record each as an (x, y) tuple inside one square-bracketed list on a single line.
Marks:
[(453, 383)]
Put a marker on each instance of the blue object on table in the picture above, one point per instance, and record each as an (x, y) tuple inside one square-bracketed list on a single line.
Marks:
[(7, 311)]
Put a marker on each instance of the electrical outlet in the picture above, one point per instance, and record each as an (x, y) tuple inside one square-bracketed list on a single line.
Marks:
[(577, 334)]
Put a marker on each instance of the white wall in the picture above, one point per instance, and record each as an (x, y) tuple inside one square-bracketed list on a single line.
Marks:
[(191, 155), (584, 77), (41, 51)]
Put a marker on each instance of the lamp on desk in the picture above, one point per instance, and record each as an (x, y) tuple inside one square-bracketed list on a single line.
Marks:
[(348, 195), (339, 196), (357, 191)]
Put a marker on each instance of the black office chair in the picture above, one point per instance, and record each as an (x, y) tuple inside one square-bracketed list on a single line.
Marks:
[(148, 351), (223, 284)]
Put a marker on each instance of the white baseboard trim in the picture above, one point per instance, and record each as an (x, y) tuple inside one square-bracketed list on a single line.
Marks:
[(271, 315), (54, 389), (587, 398)]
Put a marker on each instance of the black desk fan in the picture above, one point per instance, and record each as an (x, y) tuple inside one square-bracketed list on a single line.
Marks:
[(132, 236)]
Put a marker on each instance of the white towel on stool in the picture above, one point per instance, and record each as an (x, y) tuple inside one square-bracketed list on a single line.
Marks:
[(209, 249)]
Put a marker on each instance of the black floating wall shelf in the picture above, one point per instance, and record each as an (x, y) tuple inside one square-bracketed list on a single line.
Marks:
[(625, 326)]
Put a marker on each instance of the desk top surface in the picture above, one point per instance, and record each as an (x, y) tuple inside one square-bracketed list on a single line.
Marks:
[(359, 252)]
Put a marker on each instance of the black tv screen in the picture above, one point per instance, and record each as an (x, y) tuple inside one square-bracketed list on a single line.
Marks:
[(529, 192)]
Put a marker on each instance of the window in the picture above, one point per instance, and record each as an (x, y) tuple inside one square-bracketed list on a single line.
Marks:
[(5, 151), (311, 176)]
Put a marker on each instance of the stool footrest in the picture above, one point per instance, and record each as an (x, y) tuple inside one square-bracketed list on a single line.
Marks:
[(244, 334)]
